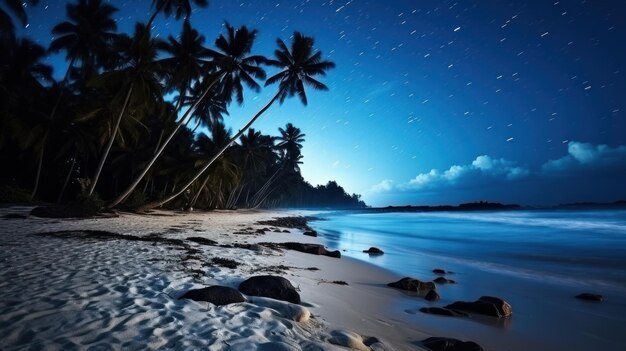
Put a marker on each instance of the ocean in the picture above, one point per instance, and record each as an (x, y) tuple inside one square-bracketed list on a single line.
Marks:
[(536, 260)]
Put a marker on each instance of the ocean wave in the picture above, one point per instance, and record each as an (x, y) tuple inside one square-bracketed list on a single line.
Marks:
[(530, 219)]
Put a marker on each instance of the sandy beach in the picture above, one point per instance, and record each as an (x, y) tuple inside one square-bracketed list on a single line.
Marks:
[(73, 291)]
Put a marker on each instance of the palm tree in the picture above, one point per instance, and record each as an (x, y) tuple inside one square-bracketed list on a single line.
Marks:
[(16, 6), (298, 66), (84, 38), (181, 8), (21, 72), (229, 67), (289, 146), (141, 74), (290, 142)]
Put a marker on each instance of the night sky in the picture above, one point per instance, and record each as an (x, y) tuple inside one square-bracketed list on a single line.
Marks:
[(438, 102)]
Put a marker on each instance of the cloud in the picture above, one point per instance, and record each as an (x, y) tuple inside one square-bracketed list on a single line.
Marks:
[(385, 185), (483, 168), (585, 157)]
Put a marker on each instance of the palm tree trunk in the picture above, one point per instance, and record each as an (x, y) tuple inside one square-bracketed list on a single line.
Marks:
[(267, 184), (195, 198), (53, 113), (94, 180), (67, 178), (180, 123), (218, 154)]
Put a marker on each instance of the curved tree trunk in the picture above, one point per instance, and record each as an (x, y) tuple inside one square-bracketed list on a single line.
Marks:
[(96, 175), (53, 113), (186, 116), (218, 154), (195, 198)]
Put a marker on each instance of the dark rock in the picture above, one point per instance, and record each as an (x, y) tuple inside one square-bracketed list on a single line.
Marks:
[(315, 249), (374, 251), (449, 344), (439, 271), (442, 280), (411, 284), (202, 241), (590, 297), (270, 286), (485, 305), (310, 233), (432, 296), (217, 295), (442, 312)]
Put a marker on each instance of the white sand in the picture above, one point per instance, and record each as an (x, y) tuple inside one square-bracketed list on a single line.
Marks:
[(64, 293)]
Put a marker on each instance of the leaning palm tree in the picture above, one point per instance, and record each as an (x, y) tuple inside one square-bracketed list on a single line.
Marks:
[(141, 74), (298, 66), (229, 67)]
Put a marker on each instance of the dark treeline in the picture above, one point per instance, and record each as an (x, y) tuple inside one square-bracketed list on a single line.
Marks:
[(106, 131)]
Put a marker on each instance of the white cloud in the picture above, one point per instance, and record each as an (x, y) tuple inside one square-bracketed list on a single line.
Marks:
[(482, 168), (588, 157), (385, 185)]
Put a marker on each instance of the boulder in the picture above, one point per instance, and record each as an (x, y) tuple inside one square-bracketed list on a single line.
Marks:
[(374, 251), (270, 286), (411, 284), (217, 295), (449, 344), (439, 271), (442, 280), (590, 297), (353, 340), (442, 312), (310, 233), (315, 249), (432, 296), (202, 241), (485, 305)]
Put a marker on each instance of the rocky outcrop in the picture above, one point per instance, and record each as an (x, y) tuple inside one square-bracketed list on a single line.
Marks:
[(217, 295), (432, 296), (410, 284), (590, 297), (485, 305), (439, 271), (374, 251), (442, 280), (314, 249), (449, 344), (310, 233), (270, 286), (442, 312)]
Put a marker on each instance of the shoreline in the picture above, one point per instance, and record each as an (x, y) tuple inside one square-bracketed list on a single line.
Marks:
[(72, 275)]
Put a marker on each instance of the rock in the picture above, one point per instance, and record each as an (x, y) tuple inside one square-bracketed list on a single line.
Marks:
[(374, 251), (442, 312), (310, 233), (442, 280), (217, 295), (590, 297), (274, 287), (288, 310), (432, 296), (315, 249), (349, 339), (202, 241), (439, 271), (485, 305), (449, 344), (411, 284)]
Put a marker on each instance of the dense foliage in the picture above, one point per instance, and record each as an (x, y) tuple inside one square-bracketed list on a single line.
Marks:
[(107, 131)]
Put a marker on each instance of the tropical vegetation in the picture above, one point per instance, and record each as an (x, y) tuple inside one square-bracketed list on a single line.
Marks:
[(138, 122)]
